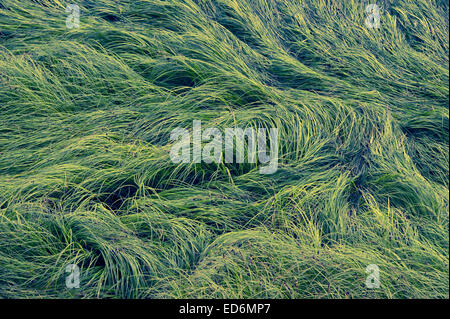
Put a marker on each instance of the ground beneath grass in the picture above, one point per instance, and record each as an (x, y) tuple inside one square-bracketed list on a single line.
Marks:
[(86, 177)]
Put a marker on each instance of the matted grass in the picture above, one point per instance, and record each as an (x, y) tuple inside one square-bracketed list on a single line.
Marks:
[(86, 177)]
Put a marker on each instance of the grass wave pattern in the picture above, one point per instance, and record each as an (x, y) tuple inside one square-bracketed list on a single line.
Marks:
[(86, 177)]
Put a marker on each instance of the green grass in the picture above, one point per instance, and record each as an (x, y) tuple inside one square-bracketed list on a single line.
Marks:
[(86, 177)]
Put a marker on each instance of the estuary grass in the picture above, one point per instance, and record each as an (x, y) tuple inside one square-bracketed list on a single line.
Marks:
[(86, 177)]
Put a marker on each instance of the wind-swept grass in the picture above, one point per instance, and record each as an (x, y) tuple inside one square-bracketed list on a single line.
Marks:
[(86, 177)]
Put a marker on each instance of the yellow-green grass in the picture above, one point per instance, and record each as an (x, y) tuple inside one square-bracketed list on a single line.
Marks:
[(86, 176)]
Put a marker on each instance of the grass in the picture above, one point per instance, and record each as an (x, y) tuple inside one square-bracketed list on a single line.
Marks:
[(86, 177)]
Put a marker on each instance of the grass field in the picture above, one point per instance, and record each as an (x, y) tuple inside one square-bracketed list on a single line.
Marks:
[(86, 177)]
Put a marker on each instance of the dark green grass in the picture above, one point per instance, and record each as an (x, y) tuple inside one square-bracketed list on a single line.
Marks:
[(86, 178)]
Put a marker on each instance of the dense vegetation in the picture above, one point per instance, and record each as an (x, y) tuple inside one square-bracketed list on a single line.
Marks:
[(86, 178)]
